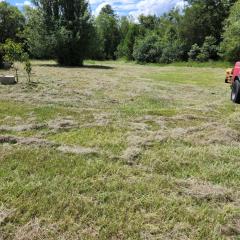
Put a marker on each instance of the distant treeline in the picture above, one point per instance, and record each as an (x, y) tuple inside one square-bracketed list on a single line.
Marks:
[(68, 32)]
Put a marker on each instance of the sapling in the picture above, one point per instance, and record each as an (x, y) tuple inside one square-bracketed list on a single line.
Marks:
[(28, 69), (13, 53)]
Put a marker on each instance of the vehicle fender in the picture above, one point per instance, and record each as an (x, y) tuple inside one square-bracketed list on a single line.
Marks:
[(237, 78)]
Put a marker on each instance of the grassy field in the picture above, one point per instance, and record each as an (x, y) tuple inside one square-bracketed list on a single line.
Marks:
[(119, 151)]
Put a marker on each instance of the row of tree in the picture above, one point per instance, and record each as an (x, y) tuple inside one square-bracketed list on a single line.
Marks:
[(66, 31)]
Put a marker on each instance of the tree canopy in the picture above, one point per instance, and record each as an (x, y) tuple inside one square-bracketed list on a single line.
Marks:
[(108, 33), (69, 24), (66, 31), (11, 22), (230, 47)]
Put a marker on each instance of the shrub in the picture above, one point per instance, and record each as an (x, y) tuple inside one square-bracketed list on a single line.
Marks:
[(194, 52), (209, 48), (172, 52), (148, 49), (202, 57)]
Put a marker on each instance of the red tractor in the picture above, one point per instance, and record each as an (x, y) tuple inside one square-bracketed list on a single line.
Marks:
[(233, 77)]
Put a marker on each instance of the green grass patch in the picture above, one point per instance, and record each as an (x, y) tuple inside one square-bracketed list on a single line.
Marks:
[(147, 105), (205, 78), (210, 64), (13, 109), (107, 138)]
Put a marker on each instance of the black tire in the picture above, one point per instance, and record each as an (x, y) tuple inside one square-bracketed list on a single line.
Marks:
[(235, 95)]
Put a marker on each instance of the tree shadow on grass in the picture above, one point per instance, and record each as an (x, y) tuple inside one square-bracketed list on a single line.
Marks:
[(101, 67), (97, 67)]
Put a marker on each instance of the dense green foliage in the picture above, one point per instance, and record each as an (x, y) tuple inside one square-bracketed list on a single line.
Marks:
[(128, 32), (67, 32), (14, 53), (39, 41), (204, 18), (209, 50), (230, 47), (64, 30), (148, 49), (11, 24), (108, 33)]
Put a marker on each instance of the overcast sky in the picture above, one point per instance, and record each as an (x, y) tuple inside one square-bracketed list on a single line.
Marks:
[(127, 7)]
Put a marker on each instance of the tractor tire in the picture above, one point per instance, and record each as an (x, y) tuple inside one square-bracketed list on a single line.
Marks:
[(235, 95)]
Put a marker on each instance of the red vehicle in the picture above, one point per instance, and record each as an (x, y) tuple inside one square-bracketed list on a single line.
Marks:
[(233, 77)]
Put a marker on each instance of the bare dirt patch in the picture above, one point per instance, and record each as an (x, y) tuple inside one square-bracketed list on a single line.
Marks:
[(137, 141), (102, 119), (180, 231), (204, 134), (28, 141), (162, 120), (231, 230), (205, 191), (55, 125), (62, 124), (139, 126), (35, 230), (5, 213), (136, 145), (131, 154), (219, 134), (77, 150), (22, 128)]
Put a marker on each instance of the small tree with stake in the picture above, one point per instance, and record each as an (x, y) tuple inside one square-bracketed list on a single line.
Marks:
[(13, 53)]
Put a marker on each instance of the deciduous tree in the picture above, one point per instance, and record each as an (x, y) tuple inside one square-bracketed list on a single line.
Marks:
[(70, 23), (108, 32)]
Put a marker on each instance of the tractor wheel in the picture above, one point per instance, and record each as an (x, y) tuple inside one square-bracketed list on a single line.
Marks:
[(235, 95)]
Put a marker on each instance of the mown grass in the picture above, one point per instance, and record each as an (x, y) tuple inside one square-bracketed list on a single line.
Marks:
[(148, 105), (165, 163), (211, 64), (185, 76)]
